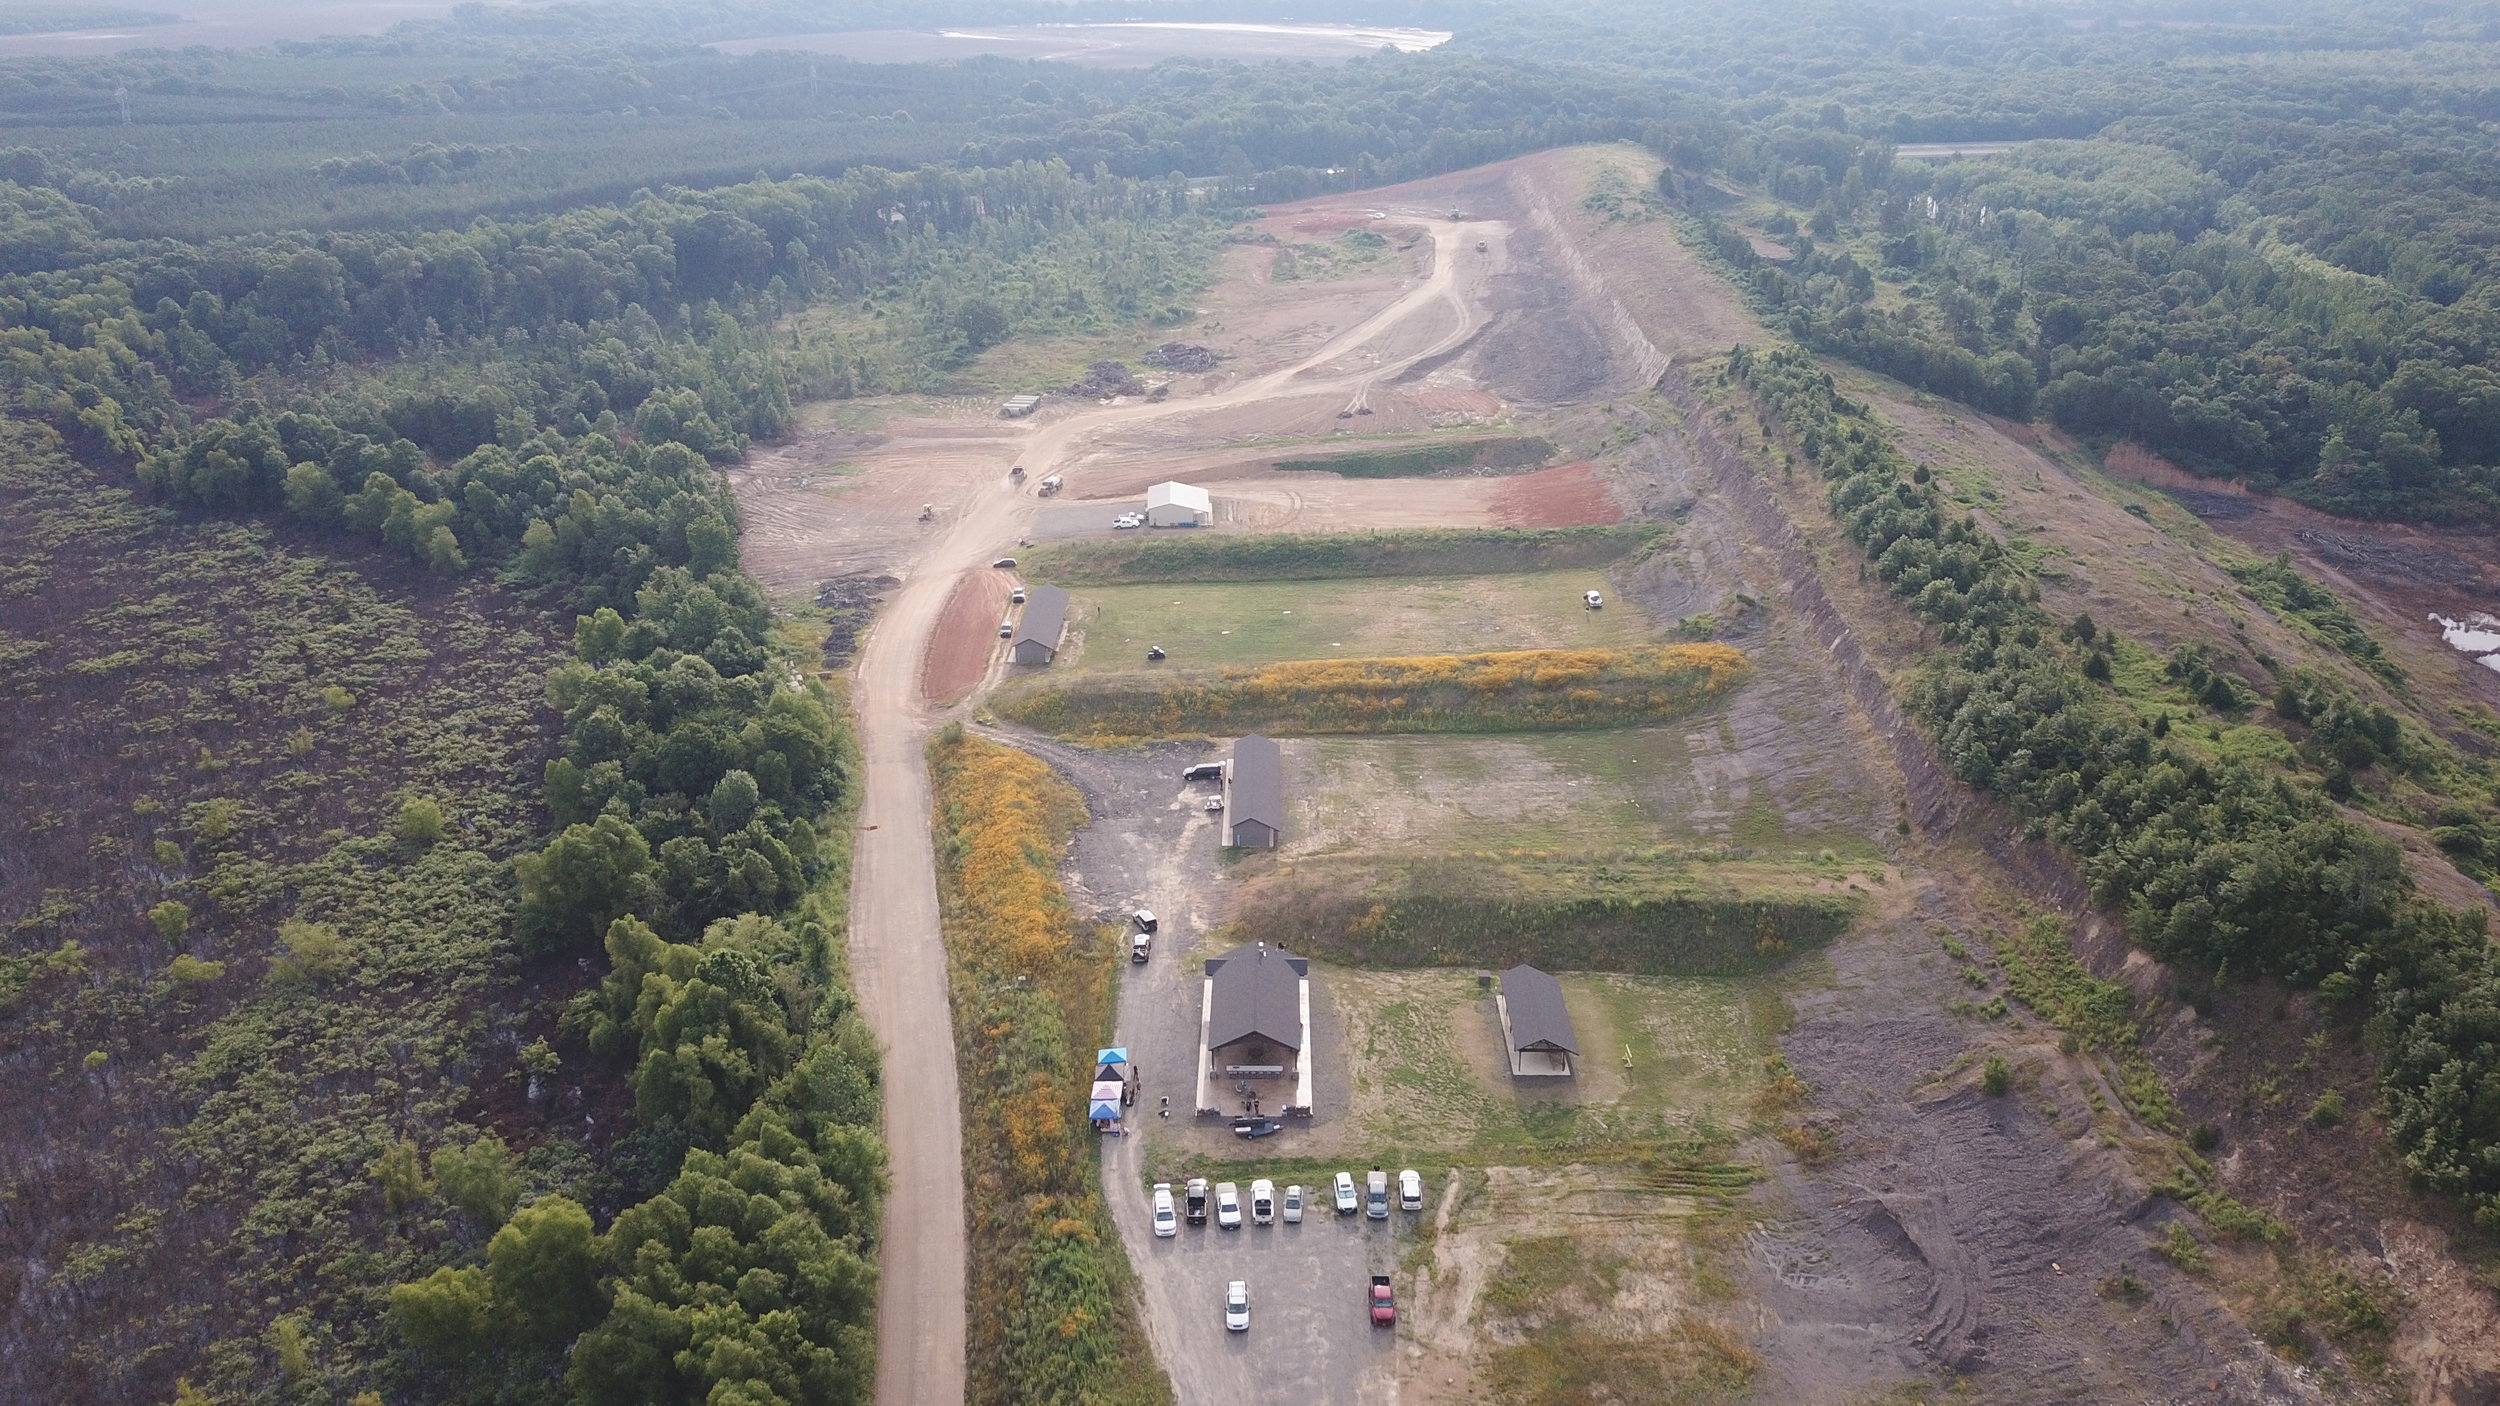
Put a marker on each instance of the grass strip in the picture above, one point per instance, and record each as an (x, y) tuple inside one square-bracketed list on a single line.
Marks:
[(1053, 1315), (1509, 452), (1316, 556), (1513, 691), (1492, 912)]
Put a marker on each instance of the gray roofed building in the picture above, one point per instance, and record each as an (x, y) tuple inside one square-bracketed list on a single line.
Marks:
[(1257, 995), (1254, 794), (1038, 631), (1536, 1025)]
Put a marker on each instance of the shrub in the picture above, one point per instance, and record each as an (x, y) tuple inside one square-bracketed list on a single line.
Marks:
[(2328, 1110), (420, 823), (1996, 1077), (478, 1178), (309, 952), (450, 1312), (172, 919)]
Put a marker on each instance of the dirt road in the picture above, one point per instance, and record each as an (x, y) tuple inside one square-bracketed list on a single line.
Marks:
[(898, 961)]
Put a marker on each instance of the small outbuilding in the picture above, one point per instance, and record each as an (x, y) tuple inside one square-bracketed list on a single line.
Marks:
[(1178, 505), (1536, 1025), (1043, 624), (1254, 794)]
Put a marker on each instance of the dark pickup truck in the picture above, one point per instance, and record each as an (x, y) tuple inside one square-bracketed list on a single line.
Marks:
[(1196, 1201), (1384, 1303)]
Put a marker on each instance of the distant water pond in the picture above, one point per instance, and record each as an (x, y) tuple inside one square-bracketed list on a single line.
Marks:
[(1120, 44)]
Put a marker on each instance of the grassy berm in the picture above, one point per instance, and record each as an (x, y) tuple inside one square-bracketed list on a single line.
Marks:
[(1584, 914), (1315, 556), (1516, 691)]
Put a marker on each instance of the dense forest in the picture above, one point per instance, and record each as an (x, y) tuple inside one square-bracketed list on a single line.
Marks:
[(485, 303)]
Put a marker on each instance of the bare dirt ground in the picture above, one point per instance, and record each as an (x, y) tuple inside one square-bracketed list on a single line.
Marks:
[(1566, 495), (966, 637)]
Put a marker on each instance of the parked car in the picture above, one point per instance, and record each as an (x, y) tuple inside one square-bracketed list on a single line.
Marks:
[(1215, 805), (1227, 1206), (1263, 1202), (1384, 1302), (1144, 918), (1127, 520), (1016, 596), (1006, 629), (1410, 1190), (1237, 1306), (1293, 1205), (1004, 564), (1203, 771), (1376, 1195), (1167, 1224), (1197, 1201), (1256, 1127), (1140, 947), (1595, 600), (1346, 1203)]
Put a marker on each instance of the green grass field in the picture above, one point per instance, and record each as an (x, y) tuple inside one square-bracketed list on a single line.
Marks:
[(1428, 1071), (1614, 790), (1263, 622)]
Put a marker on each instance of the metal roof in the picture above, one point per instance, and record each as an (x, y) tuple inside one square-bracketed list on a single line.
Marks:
[(1179, 495), (1254, 783), (1045, 617), (1258, 991), (1538, 1018)]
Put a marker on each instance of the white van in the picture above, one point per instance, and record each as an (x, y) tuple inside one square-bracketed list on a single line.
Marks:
[(1410, 1190), (1263, 1202), (1167, 1225)]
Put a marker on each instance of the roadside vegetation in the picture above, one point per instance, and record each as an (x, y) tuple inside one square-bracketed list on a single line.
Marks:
[(1523, 690), (1054, 1315), (1316, 556)]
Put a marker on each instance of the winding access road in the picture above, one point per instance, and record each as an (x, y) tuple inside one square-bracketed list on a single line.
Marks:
[(898, 959)]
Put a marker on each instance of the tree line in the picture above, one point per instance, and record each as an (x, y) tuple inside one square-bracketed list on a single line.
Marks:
[(2213, 861)]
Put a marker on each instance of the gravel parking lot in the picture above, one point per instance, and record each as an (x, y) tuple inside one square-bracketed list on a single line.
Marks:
[(1310, 1339)]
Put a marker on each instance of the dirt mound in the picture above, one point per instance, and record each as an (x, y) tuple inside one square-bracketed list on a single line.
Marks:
[(1185, 357), (1105, 379), (1567, 495), (967, 629), (846, 601)]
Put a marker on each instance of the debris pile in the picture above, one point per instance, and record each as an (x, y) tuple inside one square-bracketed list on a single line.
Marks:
[(1183, 357), (1105, 379)]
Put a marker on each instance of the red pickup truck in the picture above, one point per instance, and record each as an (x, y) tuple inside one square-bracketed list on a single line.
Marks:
[(1384, 1303)]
